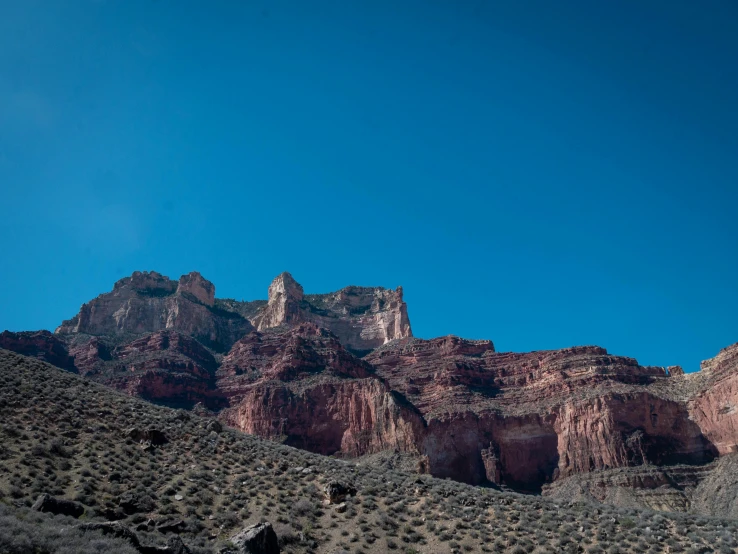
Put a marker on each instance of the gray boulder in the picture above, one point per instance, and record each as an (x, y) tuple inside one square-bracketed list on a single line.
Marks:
[(256, 539), (57, 506)]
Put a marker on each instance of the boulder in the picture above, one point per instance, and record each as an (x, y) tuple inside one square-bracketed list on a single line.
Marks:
[(337, 491), (171, 526), (135, 502), (214, 426), (150, 436), (256, 539), (57, 506)]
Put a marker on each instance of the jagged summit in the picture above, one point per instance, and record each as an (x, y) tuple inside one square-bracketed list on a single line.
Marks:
[(147, 302), (362, 317), (285, 297)]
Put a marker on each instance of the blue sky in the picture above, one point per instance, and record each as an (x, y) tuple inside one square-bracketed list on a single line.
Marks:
[(542, 174)]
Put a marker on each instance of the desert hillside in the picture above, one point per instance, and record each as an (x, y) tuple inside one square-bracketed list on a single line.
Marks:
[(175, 481)]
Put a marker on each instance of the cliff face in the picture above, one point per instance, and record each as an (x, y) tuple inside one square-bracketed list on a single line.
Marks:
[(147, 302), (354, 417), (363, 318), (165, 366), (289, 369), (301, 386), (288, 355), (526, 419), (714, 404), (284, 304), (39, 344)]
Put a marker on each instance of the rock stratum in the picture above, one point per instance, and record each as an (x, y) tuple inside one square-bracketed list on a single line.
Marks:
[(341, 374)]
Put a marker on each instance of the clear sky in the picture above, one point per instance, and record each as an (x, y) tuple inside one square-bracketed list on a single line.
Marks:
[(542, 174)]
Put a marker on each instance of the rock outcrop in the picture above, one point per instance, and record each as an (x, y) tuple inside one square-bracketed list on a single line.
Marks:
[(39, 344), (259, 538), (58, 506), (717, 492), (669, 488), (363, 318), (284, 305), (147, 302), (527, 419), (165, 366), (288, 355), (301, 386), (713, 404)]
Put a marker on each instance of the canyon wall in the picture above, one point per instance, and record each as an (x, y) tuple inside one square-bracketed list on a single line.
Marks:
[(340, 373)]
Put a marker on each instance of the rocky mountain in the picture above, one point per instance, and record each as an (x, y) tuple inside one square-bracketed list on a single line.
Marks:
[(341, 374), (85, 469)]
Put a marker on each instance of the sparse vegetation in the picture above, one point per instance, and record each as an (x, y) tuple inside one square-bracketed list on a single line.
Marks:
[(66, 436)]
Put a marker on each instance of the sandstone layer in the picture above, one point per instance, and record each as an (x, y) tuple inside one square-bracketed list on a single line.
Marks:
[(524, 419), (301, 386)]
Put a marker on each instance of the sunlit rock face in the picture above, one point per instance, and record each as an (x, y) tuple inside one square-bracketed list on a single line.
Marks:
[(284, 304), (363, 318), (147, 302), (714, 402)]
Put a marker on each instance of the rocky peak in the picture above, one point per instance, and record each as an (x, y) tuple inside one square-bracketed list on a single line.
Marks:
[(363, 318), (283, 306), (147, 302), (148, 283), (196, 286), (453, 345), (284, 288), (727, 358)]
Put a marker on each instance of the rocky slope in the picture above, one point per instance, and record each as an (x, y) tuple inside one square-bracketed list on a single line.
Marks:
[(166, 481), (288, 369)]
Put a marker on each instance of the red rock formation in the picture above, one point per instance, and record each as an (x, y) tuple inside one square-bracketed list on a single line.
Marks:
[(459, 407), (39, 344), (301, 386), (328, 416), (197, 288), (89, 353), (288, 355), (714, 400), (527, 418), (623, 429), (165, 366)]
